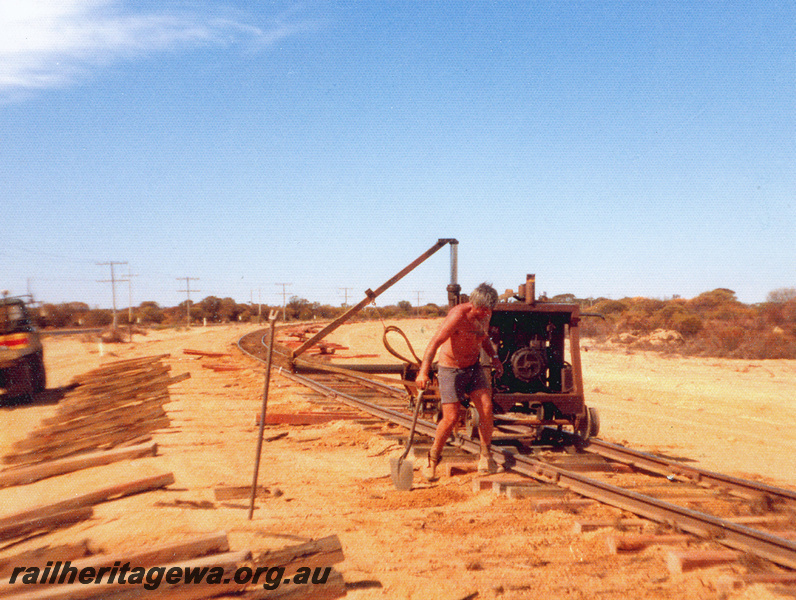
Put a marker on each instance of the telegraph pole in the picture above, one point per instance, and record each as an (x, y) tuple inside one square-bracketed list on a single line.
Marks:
[(112, 281), (130, 296), (188, 291), (284, 300), (418, 292), (259, 303), (345, 291)]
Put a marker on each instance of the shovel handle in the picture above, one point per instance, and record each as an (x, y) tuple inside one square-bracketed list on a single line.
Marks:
[(418, 402)]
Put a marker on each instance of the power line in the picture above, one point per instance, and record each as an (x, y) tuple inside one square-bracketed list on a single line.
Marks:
[(130, 295), (259, 302), (188, 291), (112, 281), (345, 290), (284, 299), (418, 292)]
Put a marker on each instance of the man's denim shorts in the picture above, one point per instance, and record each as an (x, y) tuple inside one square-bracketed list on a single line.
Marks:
[(456, 384)]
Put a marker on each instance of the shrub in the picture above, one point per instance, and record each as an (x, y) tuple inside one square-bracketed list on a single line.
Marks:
[(646, 305), (99, 318), (687, 325), (709, 300), (609, 307), (782, 296), (634, 320), (595, 328), (768, 345)]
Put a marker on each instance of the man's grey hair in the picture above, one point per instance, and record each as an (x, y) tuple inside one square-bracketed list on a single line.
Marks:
[(484, 296)]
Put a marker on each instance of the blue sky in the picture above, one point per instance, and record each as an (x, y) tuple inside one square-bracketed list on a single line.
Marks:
[(612, 148)]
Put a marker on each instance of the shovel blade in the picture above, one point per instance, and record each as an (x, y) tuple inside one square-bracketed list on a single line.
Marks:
[(402, 472)]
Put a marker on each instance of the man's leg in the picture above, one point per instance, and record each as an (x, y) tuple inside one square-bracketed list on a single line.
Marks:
[(450, 415), (482, 399)]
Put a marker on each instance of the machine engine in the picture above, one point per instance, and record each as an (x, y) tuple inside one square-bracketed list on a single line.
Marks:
[(538, 344), (529, 346)]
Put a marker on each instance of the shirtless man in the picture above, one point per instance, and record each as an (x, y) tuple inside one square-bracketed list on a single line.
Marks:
[(460, 339)]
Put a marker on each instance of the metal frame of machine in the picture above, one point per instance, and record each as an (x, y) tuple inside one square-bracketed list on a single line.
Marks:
[(539, 346)]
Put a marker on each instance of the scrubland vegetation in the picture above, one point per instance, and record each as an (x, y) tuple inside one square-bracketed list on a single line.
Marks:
[(714, 323)]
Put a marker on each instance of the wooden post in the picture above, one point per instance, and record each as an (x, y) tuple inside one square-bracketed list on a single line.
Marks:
[(272, 320)]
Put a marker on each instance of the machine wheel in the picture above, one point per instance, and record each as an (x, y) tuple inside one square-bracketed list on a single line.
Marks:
[(20, 380), (594, 429), (589, 426), (471, 421), (38, 376)]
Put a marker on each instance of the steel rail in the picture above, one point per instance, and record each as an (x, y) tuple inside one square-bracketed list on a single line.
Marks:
[(388, 414), (774, 548), (778, 550), (672, 468)]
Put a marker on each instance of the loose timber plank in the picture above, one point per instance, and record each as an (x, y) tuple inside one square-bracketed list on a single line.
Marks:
[(637, 543), (239, 492), (595, 524), (53, 520), (24, 475), (322, 552), (333, 588), (40, 556), (91, 498), (101, 440), (688, 560), (93, 425), (204, 353), (179, 378), (229, 561), (213, 543)]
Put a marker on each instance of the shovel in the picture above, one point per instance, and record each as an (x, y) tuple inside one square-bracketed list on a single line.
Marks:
[(403, 471)]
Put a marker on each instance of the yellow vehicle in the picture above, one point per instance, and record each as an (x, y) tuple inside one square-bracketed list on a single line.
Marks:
[(21, 353)]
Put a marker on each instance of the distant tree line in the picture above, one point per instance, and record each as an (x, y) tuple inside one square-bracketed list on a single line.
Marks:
[(213, 310), (713, 323)]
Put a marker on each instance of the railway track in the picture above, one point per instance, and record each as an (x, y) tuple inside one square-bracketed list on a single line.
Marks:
[(744, 515)]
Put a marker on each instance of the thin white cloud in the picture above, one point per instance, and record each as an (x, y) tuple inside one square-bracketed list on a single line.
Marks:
[(49, 43)]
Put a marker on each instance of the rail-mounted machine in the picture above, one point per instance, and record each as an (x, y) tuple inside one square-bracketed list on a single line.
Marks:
[(538, 343)]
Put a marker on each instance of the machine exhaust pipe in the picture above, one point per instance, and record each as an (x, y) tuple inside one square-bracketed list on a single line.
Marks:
[(455, 263), (454, 289)]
